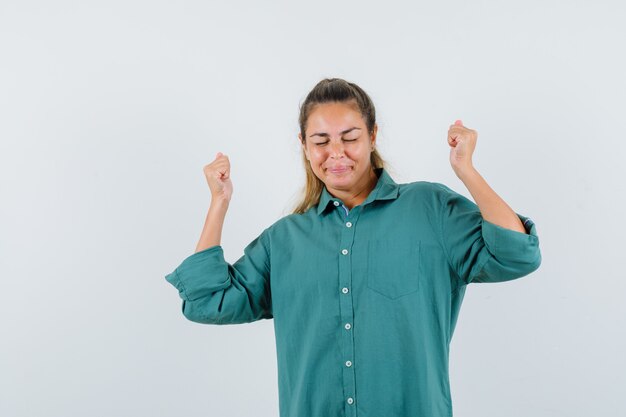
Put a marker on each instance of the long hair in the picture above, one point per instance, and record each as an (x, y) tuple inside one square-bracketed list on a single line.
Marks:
[(325, 91)]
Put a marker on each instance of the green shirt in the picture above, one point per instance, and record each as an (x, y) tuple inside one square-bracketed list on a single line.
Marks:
[(364, 301)]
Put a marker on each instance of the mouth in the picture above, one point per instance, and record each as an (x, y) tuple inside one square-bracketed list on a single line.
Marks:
[(339, 169)]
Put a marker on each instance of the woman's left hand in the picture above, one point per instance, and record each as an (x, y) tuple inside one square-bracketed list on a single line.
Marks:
[(462, 141)]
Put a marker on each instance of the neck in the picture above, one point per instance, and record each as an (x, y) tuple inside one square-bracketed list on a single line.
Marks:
[(355, 197)]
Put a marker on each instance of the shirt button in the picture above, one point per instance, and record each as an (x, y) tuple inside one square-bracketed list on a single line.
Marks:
[(350, 400), (348, 363), (336, 203), (344, 290), (347, 326), (344, 251), (349, 224)]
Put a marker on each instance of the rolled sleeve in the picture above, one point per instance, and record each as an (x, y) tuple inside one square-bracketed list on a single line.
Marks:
[(481, 251), (513, 254), (510, 244), (217, 292), (201, 274)]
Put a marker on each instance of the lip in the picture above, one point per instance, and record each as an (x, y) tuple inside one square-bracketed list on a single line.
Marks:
[(339, 169)]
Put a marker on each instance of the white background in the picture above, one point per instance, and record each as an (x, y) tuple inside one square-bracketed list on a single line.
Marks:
[(109, 110)]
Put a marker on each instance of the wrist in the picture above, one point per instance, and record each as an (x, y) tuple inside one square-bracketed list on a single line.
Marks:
[(219, 204), (465, 172)]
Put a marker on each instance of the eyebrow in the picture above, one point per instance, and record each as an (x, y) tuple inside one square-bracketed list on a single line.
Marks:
[(326, 134)]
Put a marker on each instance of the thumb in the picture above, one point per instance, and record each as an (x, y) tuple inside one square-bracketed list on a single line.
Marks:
[(458, 123), (218, 155)]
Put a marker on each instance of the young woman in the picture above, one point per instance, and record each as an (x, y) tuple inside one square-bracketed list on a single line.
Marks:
[(365, 279)]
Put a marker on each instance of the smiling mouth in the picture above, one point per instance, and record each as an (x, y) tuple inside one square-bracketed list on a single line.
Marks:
[(339, 170)]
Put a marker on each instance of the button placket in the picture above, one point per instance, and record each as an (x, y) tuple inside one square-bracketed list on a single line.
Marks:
[(346, 210), (346, 305)]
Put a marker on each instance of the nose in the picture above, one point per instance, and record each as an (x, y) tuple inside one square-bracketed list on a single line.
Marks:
[(336, 149)]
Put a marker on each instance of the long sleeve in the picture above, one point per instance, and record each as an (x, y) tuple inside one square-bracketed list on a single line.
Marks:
[(216, 292), (481, 251)]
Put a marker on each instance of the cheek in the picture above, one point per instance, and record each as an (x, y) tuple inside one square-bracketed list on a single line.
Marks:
[(317, 154)]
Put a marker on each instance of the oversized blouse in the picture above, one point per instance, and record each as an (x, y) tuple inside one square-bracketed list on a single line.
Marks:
[(364, 301)]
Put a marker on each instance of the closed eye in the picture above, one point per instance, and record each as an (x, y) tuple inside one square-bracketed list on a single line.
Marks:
[(345, 140)]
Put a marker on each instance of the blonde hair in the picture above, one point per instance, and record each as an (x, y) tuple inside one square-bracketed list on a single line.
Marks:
[(325, 91)]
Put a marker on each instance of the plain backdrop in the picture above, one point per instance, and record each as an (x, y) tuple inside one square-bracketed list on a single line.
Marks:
[(109, 111)]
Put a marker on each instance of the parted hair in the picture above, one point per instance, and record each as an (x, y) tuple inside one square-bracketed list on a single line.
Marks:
[(326, 91)]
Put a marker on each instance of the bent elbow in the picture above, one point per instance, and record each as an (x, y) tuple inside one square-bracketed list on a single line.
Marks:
[(496, 270), (528, 262), (193, 313), (536, 264)]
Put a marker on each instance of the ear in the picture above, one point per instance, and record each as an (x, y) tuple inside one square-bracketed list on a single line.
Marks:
[(375, 130)]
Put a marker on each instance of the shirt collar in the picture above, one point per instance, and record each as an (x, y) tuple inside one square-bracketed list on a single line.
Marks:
[(386, 189)]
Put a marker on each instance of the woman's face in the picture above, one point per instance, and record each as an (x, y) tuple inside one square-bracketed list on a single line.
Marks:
[(338, 146)]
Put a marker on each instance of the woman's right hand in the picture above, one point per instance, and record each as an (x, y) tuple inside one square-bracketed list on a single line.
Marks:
[(217, 174)]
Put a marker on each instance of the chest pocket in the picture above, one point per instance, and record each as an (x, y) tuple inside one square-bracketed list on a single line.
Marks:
[(393, 267)]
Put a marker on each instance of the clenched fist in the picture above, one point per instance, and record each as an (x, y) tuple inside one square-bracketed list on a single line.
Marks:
[(462, 141), (217, 174)]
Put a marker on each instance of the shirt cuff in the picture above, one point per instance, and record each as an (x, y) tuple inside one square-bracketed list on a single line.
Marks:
[(507, 244), (200, 274)]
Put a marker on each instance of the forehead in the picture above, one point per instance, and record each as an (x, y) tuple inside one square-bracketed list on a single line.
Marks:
[(334, 116)]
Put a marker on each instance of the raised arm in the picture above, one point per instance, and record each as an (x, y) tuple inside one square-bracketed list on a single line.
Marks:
[(214, 291), (493, 208), (484, 241), (217, 174)]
